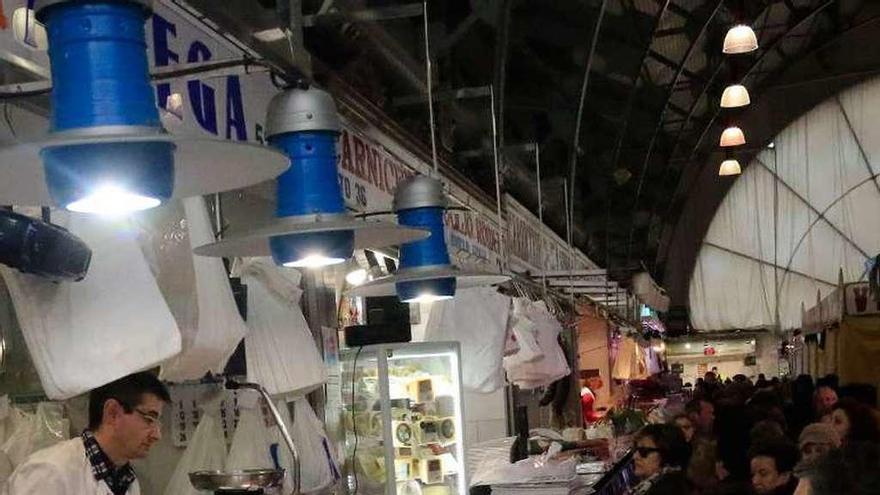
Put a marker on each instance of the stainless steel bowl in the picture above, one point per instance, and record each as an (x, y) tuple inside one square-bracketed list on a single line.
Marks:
[(245, 480)]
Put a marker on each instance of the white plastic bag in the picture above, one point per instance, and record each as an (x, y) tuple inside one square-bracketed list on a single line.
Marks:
[(206, 452), (82, 335), (255, 439), (280, 351), (477, 318), (524, 369), (195, 287), (319, 467), (35, 431)]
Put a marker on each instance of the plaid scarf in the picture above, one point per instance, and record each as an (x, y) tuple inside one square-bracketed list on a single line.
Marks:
[(118, 479), (648, 483)]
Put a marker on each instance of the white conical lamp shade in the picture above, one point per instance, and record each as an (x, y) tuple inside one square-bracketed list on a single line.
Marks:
[(734, 96), (732, 136), (729, 167), (740, 39)]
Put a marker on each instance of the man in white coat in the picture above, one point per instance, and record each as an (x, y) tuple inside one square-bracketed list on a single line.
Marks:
[(124, 423)]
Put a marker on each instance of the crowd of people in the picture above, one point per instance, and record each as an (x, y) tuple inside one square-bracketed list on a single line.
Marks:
[(768, 437)]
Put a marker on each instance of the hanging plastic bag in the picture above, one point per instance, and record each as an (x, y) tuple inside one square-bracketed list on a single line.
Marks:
[(33, 432), (257, 443), (206, 452), (319, 468), (113, 323), (525, 370), (195, 287), (477, 318), (280, 351)]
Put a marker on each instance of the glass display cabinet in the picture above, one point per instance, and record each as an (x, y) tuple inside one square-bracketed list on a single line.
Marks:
[(403, 419)]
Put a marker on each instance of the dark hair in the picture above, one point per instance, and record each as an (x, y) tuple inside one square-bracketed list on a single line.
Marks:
[(782, 451), (674, 450), (853, 470), (862, 423), (128, 391)]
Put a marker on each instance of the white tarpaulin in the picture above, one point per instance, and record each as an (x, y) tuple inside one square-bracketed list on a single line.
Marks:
[(799, 214)]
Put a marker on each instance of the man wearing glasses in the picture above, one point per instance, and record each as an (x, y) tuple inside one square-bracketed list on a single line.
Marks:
[(124, 423)]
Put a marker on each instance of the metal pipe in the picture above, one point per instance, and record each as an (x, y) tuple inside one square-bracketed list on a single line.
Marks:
[(233, 385), (540, 215), (568, 237), (218, 217), (580, 112), (501, 250), (430, 86)]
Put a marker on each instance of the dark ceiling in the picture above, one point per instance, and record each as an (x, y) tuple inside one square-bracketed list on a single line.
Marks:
[(635, 83)]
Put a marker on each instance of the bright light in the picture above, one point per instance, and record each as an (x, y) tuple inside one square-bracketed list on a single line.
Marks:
[(740, 39), (113, 201), (427, 298), (356, 277), (687, 345), (729, 167), (732, 136), (314, 261), (735, 96), (771, 145)]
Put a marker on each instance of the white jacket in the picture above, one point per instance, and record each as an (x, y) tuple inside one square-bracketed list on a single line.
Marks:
[(62, 469)]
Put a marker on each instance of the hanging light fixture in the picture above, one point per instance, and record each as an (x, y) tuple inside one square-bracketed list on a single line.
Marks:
[(729, 167), (312, 228), (732, 136), (735, 96), (107, 152), (740, 39), (425, 273)]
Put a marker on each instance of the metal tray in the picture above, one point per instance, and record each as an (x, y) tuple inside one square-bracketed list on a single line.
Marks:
[(248, 479)]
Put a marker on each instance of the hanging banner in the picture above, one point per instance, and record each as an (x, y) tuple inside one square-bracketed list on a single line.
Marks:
[(533, 247)]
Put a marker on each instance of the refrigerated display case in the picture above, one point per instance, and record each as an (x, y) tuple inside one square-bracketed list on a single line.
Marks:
[(403, 419)]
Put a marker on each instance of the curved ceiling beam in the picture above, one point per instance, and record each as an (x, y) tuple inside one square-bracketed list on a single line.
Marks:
[(666, 104), (580, 111), (615, 158)]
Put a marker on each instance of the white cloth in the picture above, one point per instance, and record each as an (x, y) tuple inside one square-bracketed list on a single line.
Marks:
[(60, 469), (195, 287), (280, 351), (476, 318), (82, 335)]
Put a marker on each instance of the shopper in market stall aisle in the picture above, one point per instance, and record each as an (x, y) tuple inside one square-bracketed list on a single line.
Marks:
[(660, 458), (124, 423), (772, 466)]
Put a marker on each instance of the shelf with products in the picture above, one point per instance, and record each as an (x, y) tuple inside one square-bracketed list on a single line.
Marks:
[(403, 419)]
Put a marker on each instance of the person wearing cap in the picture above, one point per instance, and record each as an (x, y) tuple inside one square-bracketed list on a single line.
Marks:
[(817, 439)]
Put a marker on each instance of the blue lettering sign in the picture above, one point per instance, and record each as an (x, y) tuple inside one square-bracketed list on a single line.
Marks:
[(235, 110), (201, 96), (162, 54)]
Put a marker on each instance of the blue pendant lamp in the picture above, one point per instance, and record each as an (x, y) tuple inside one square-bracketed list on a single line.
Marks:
[(420, 202), (312, 228), (425, 273), (107, 152)]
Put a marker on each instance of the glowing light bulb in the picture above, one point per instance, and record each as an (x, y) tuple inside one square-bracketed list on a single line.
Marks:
[(732, 136), (314, 261), (729, 167), (735, 96), (356, 277), (740, 39), (112, 201), (427, 298)]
